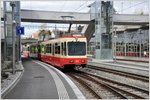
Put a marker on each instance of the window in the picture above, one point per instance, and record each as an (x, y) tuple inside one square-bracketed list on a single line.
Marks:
[(50, 48), (57, 48), (39, 49), (42, 49), (62, 47), (47, 48), (36, 49), (76, 48), (53, 49), (32, 49), (65, 52)]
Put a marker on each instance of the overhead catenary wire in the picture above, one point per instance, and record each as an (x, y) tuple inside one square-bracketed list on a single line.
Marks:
[(81, 6), (131, 6)]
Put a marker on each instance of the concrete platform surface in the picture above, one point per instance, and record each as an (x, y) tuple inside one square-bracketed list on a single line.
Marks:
[(40, 81)]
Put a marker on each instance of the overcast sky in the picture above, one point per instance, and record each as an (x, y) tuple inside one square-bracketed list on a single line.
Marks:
[(122, 7), (67, 6), (131, 6)]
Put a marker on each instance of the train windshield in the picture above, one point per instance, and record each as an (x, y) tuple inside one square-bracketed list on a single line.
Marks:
[(76, 48)]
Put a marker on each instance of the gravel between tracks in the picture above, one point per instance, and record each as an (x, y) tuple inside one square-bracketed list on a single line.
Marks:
[(84, 91), (119, 78)]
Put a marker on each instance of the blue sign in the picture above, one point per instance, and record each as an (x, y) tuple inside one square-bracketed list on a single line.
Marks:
[(19, 30)]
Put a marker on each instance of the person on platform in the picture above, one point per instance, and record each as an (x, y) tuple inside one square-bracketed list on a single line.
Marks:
[(145, 54)]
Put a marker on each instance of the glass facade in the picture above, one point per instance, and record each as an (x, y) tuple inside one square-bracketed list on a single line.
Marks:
[(132, 43)]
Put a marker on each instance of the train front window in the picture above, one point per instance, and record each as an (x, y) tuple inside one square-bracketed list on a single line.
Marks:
[(76, 48)]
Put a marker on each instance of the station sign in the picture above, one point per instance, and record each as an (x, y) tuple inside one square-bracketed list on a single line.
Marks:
[(19, 30)]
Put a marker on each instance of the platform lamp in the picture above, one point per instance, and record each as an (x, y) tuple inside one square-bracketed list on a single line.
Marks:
[(115, 37)]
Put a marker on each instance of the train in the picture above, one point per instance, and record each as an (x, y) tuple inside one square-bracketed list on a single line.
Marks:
[(63, 52), (25, 52)]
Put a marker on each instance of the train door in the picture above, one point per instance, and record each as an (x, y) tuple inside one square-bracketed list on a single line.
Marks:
[(47, 52), (39, 52), (57, 52), (63, 53), (53, 53), (42, 52), (63, 49)]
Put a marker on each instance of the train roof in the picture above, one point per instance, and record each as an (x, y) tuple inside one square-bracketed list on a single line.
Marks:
[(64, 37)]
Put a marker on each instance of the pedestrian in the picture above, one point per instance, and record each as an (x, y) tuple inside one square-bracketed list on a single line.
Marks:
[(145, 54)]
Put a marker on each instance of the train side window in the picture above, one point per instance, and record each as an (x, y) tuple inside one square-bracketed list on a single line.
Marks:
[(62, 47), (43, 49), (28, 49), (36, 49), (58, 48), (32, 49), (39, 49), (65, 48), (50, 51), (53, 48), (148, 45), (47, 51), (48, 48)]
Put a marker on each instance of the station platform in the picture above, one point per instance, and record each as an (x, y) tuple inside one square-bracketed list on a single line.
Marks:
[(42, 81), (140, 68), (137, 59)]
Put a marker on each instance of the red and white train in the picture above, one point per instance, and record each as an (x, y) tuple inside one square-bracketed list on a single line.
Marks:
[(67, 51), (25, 51)]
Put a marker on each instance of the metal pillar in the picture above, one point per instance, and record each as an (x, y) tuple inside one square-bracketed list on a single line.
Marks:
[(11, 19), (12, 4), (97, 29), (5, 42), (115, 37), (18, 21), (103, 30)]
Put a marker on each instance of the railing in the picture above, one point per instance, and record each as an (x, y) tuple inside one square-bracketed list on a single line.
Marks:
[(132, 54)]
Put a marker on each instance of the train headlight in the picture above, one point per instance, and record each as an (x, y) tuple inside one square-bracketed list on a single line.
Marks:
[(71, 61), (82, 61)]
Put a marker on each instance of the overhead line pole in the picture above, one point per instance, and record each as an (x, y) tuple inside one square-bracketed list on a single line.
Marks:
[(12, 4)]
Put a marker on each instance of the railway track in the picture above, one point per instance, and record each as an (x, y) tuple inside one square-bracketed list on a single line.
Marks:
[(110, 88), (102, 91), (122, 73), (85, 85)]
